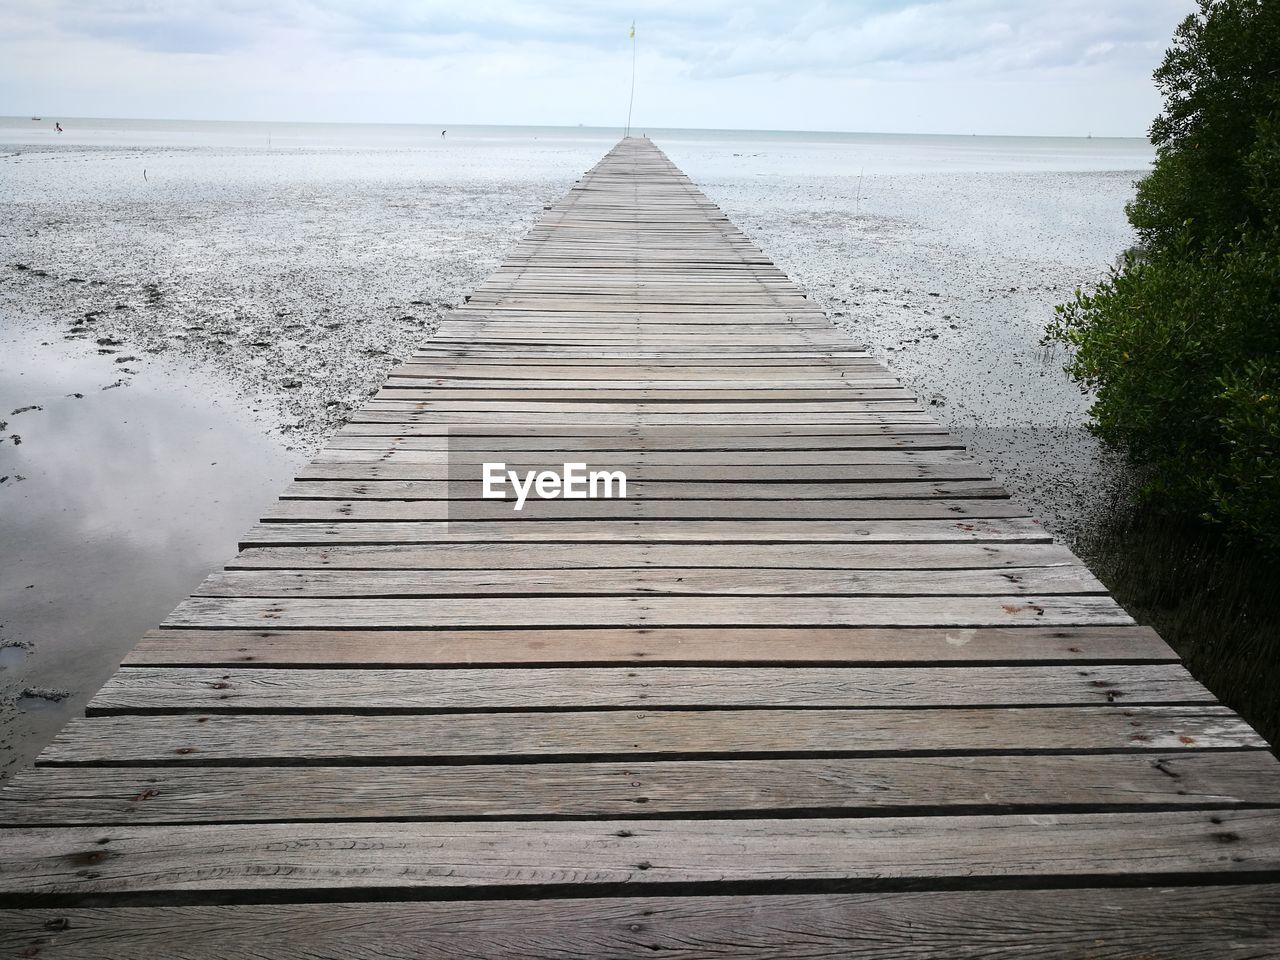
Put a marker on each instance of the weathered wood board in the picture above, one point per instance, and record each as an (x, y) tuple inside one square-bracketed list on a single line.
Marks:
[(814, 687)]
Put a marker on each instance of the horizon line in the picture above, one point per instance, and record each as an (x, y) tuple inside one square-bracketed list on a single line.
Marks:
[(594, 126)]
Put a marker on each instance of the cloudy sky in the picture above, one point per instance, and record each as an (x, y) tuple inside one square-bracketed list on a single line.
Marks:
[(957, 66)]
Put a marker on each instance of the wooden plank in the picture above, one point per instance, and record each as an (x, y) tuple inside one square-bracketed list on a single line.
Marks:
[(1066, 579), (1170, 923), (636, 460), (664, 490), (408, 410), (634, 507), (415, 378), (598, 556), (642, 611), (664, 647), (250, 690), (470, 738), (42, 861), (1012, 529), (606, 369), (838, 472), (60, 796), (422, 398), (646, 442), (644, 420)]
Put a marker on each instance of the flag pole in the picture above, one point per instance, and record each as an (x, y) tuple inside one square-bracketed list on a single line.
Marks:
[(631, 102)]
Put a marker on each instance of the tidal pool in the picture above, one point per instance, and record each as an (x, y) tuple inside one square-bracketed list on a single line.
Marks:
[(115, 502)]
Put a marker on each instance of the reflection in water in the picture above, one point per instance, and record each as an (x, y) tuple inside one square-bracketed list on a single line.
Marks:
[(115, 504)]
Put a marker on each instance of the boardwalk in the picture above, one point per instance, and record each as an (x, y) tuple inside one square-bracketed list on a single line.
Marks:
[(814, 688)]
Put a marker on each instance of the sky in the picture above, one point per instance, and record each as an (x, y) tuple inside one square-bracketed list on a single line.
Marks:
[(1016, 67)]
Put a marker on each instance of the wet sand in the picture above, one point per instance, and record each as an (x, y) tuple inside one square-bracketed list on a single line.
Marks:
[(300, 278)]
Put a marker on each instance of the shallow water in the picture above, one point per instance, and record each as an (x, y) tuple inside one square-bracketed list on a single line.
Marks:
[(291, 264), (116, 502)]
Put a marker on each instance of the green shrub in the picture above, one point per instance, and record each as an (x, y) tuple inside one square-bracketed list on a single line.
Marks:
[(1181, 344)]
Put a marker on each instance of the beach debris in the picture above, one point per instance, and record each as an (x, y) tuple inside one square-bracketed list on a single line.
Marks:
[(109, 342), (118, 383), (15, 439), (290, 383), (27, 409), (78, 396), (51, 694)]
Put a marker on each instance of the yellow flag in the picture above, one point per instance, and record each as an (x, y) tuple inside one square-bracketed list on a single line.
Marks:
[(633, 29)]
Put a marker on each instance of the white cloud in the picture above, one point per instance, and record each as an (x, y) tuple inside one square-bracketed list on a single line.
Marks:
[(1002, 66)]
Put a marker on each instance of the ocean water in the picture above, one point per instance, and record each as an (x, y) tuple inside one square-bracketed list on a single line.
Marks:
[(478, 148), (237, 288)]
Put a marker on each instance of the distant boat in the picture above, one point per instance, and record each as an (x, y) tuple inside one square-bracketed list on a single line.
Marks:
[(37, 118)]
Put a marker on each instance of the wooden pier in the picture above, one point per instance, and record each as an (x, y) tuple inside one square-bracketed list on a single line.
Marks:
[(815, 688)]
